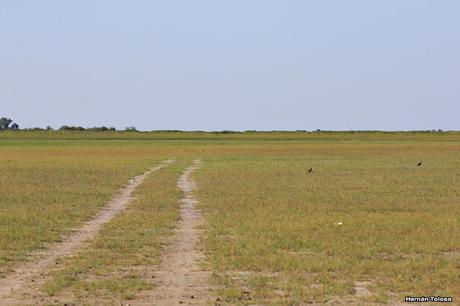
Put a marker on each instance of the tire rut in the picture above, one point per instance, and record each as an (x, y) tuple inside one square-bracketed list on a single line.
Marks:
[(179, 279), (24, 283)]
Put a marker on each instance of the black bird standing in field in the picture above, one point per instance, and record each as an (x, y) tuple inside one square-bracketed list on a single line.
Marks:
[(419, 164), (310, 170)]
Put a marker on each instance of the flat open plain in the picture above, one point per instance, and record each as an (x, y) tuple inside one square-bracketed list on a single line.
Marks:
[(366, 226)]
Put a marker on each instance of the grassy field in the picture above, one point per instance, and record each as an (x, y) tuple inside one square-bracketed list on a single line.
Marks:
[(367, 220), (116, 265), (48, 187), (366, 216)]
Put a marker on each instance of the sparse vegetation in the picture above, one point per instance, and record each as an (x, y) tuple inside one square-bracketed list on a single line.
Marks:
[(49, 187), (119, 263), (366, 216)]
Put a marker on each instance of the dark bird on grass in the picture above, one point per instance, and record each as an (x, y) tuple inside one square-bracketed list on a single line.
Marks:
[(310, 170), (419, 164)]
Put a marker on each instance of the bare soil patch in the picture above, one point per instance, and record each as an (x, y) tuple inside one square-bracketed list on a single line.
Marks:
[(361, 289)]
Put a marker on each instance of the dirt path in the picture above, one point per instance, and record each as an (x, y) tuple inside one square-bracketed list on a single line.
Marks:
[(180, 279), (24, 283)]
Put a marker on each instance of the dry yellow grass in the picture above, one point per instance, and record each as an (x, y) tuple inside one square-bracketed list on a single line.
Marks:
[(118, 263), (272, 231), (365, 215), (46, 189)]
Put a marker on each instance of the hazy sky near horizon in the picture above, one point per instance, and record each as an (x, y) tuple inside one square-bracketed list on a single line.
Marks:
[(215, 65)]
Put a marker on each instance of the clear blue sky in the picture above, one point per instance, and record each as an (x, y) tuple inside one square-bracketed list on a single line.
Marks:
[(214, 65)]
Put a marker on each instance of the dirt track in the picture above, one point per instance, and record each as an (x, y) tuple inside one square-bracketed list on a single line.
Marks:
[(23, 285), (180, 279)]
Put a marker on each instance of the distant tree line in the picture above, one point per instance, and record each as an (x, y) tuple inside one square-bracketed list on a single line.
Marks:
[(80, 128), (8, 124)]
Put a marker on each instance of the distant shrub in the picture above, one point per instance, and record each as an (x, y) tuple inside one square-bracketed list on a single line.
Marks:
[(95, 129), (226, 132), (71, 128)]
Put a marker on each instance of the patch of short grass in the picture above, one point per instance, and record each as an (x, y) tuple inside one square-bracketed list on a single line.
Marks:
[(274, 230)]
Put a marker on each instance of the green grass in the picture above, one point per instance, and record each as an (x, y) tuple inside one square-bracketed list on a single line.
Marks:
[(272, 229), (230, 136), (271, 232), (118, 263), (46, 190)]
